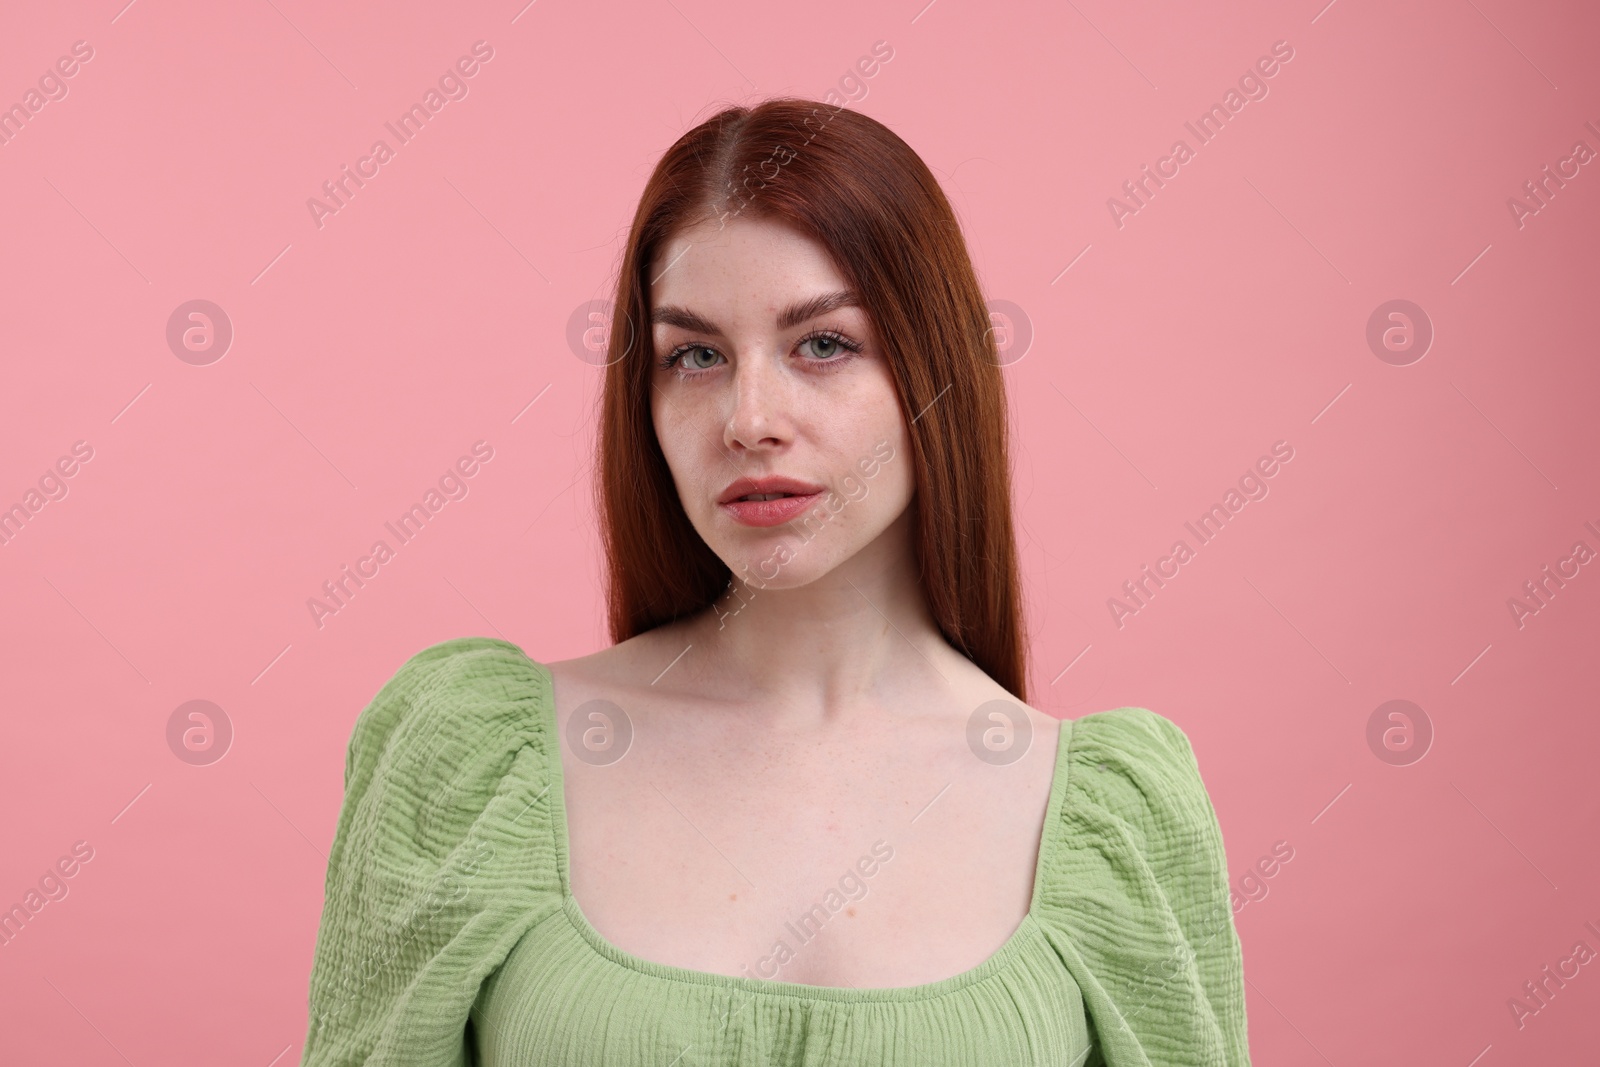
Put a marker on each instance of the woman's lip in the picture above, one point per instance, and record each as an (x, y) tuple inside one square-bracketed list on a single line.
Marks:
[(769, 512)]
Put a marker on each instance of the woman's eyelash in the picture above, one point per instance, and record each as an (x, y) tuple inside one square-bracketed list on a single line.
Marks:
[(671, 359)]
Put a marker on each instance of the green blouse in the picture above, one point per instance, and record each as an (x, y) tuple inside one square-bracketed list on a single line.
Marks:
[(450, 936)]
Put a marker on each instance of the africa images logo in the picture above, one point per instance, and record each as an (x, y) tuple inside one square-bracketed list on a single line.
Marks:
[(452, 86)]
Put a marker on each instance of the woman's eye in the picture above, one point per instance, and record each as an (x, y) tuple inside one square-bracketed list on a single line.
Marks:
[(824, 346), (828, 350)]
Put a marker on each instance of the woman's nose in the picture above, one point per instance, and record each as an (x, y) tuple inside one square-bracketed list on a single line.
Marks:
[(760, 398)]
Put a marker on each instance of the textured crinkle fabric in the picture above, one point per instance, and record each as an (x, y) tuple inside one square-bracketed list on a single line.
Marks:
[(448, 935)]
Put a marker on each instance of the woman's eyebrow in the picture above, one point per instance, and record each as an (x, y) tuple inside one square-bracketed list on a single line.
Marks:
[(790, 317)]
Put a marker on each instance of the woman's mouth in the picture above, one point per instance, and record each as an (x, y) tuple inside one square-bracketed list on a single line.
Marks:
[(770, 500), (769, 509)]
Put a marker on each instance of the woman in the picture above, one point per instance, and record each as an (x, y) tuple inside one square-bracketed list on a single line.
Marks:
[(800, 812)]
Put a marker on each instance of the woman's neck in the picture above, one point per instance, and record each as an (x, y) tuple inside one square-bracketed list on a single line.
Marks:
[(854, 639)]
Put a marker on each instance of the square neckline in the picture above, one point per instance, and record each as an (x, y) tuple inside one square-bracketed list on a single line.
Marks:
[(996, 962)]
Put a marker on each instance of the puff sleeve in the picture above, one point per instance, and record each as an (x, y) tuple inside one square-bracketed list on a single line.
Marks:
[(441, 859), (1138, 903)]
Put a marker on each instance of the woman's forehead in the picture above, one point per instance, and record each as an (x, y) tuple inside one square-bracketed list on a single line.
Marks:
[(734, 248), (699, 285)]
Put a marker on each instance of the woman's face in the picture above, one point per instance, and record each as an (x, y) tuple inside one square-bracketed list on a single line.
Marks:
[(772, 377)]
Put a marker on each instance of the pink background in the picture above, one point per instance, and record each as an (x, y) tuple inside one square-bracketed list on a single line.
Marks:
[(1169, 353)]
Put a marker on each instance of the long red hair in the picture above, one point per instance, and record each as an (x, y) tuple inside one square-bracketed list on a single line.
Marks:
[(851, 184)]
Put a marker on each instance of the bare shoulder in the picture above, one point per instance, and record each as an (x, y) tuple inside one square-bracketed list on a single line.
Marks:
[(614, 673), (994, 708)]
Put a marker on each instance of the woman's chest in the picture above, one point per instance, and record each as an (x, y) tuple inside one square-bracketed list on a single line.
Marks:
[(866, 869)]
